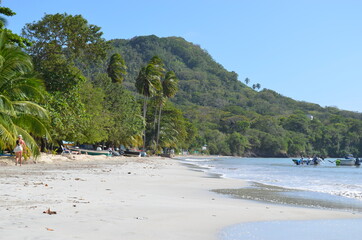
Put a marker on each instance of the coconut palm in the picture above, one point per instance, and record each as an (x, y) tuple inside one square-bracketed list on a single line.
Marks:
[(148, 83), (19, 114), (169, 89), (117, 68)]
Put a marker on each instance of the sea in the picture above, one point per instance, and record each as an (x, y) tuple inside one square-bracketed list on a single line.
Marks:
[(280, 181)]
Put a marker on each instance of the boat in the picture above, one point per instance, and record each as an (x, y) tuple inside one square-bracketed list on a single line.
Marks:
[(308, 161), (348, 161), (132, 153), (93, 152), (345, 162)]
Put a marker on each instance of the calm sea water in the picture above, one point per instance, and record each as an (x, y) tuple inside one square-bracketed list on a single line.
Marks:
[(341, 181), (279, 180)]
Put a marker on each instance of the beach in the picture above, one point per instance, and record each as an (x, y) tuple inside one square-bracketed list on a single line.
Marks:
[(99, 197)]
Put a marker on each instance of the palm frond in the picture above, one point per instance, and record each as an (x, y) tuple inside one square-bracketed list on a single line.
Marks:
[(32, 125), (6, 106), (7, 134), (30, 108)]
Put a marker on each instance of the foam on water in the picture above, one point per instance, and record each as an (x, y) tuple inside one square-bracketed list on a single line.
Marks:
[(283, 182), (326, 178)]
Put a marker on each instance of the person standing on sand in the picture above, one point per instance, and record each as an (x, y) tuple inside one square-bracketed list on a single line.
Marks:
[(18, 152), (23, 147)]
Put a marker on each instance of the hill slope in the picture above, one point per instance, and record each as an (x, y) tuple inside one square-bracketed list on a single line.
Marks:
[(234, 119)]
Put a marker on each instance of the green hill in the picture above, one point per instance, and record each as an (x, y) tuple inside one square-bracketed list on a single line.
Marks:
[(233, 118)]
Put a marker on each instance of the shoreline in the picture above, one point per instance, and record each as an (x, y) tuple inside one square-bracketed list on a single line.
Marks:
[(98, 197)]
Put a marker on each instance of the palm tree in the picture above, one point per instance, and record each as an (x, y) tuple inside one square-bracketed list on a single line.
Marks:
[(117, 68), (247, 80), (169, 89), (19, 114), (148, 83)]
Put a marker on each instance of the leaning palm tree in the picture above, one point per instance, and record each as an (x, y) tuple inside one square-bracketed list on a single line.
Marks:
[(169, 89), (19, 89), (117, 68), (148, 83)]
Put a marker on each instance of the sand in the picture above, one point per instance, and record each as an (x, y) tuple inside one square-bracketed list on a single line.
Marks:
[(126, 198)]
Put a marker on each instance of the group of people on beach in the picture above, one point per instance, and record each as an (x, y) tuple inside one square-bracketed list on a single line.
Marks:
[(19, 149)]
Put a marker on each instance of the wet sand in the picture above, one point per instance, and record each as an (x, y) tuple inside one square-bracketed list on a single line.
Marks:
[(127, 198), (293, 197)]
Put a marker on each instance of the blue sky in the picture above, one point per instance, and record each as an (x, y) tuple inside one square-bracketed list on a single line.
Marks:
[(309, 50)]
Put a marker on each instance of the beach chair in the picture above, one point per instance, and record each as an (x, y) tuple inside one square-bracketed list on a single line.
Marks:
[(65, 150)]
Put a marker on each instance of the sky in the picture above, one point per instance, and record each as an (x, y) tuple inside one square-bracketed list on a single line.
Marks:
[(308, 50)]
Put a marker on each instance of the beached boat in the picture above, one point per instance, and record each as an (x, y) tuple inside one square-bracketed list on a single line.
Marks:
[(132, 153), (92, 152)]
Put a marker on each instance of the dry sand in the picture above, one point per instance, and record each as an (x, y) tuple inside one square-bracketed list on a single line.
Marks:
[(125, 198)]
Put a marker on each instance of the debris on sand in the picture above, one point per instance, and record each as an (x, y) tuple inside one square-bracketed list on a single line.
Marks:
[(50, 212)]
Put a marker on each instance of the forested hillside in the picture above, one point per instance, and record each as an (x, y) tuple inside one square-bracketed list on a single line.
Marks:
[(233, 118), (152, 93)]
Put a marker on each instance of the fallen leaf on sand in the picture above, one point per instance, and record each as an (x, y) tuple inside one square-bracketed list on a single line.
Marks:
[(49, 229), (50, 212)]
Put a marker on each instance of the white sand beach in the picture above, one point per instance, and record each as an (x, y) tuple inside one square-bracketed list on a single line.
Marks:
[(126, 198)]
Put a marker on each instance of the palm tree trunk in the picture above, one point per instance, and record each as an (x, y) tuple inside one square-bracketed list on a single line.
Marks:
[(144, 117), (158, 126), (154, 131)]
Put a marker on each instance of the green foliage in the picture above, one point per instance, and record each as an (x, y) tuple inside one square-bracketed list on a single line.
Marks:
[(98, 118), (220, 106), (218, 110), (20, 93), (117, 68), (67, 35), (68, 115), (238, 143), (125, 111), (12, 37)]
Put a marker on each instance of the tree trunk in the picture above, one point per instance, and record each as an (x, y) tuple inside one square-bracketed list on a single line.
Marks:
[(144, 117), (158, 126)]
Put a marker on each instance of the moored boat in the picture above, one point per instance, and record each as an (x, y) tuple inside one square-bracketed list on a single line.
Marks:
[(348, 162)]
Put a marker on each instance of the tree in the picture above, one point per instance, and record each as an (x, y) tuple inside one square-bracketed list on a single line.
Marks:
[(64, 46), (148, 83), (169, 89), (117, 68), (237, 143), (247, 80), (297, 123), (256, 86), (12, 37), (173, 131), (98, 118), (127, 123), (19, 92), (65, 37)]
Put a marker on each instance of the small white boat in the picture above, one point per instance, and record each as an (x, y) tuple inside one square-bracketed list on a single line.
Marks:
[(348, 161)]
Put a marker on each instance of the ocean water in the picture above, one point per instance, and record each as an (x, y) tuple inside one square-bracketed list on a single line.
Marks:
[(280, 181)]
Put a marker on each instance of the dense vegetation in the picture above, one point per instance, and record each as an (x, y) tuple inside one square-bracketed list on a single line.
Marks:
[(156, 93), (232, 118)]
